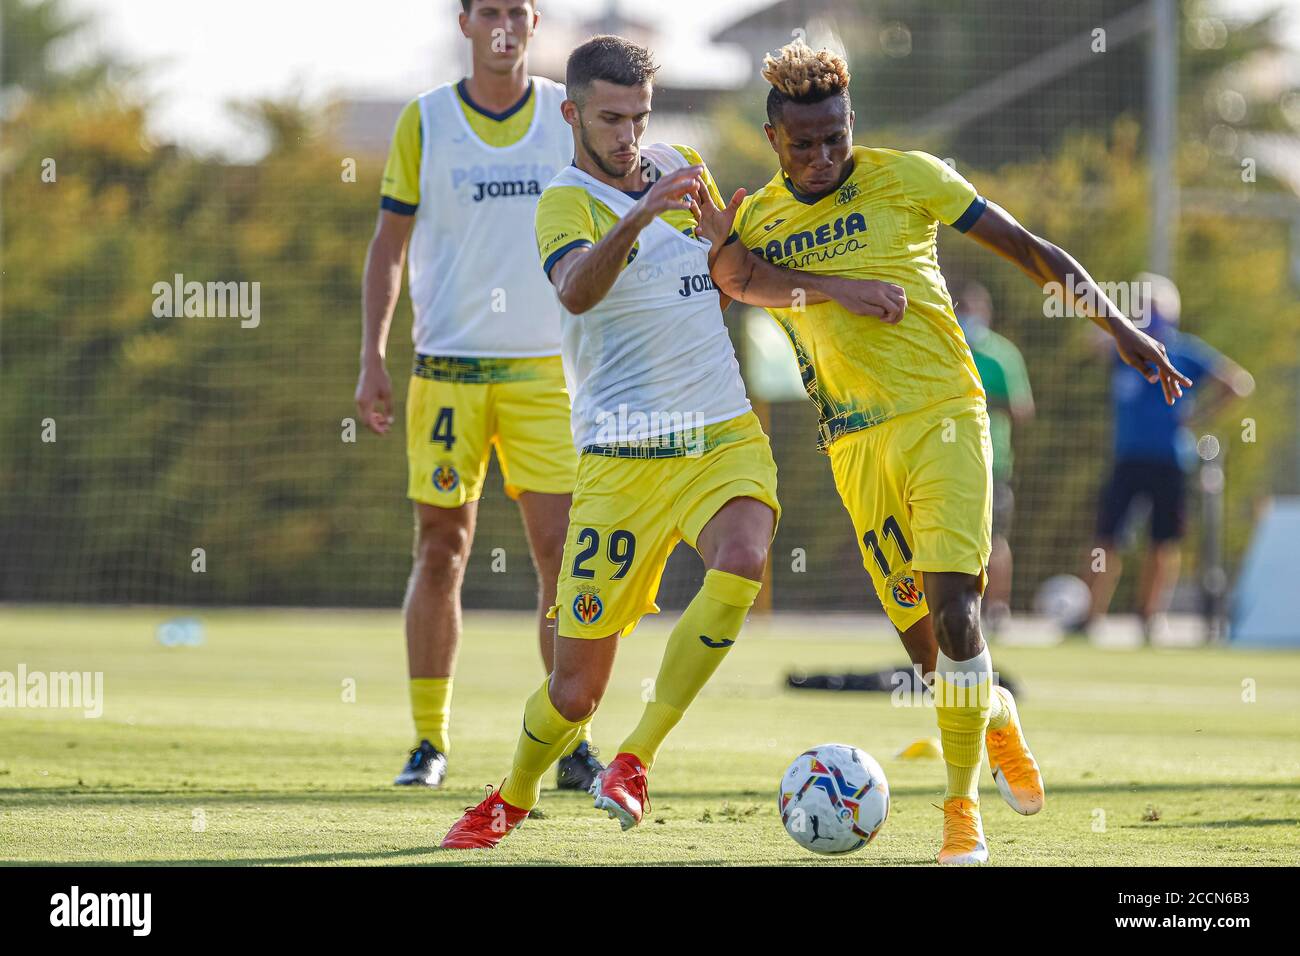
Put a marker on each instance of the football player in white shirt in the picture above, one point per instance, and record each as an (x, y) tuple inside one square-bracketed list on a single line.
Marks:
[(468, 163), (670, 448)]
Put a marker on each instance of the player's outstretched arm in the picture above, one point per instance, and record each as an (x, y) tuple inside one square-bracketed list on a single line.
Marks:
[(1047, 264), (1229, 382), (380, 288), (751, 279), (584, 276)]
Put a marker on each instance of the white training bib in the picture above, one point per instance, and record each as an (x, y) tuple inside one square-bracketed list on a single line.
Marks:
[(653, 357), (474, 279)]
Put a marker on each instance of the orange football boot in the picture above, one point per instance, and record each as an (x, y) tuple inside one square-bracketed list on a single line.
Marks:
[(963, 833), (1014, 769)]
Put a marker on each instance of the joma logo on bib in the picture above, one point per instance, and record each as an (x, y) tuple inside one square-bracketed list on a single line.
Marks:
[(516, 187), (502, 181), (696, 283)]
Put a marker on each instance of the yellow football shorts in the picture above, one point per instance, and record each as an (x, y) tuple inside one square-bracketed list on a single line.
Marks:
[(630, 509), (458, 408), (919, 488)]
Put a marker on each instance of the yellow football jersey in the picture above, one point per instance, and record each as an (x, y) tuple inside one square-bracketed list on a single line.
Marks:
[(401, 184), (569, 217), (880, 224)]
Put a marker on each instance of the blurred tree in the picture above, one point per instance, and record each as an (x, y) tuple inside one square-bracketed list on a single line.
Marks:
[(32, 35), (176, 433)]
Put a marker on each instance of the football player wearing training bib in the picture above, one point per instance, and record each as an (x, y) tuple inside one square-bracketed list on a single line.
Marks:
[(902, 410), (468, 163), (670, 449)]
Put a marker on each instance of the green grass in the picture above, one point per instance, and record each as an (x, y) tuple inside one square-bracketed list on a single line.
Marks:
[(243, 750)]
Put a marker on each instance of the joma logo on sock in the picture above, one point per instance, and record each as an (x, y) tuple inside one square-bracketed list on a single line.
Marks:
[(103, 909), (708, 642)]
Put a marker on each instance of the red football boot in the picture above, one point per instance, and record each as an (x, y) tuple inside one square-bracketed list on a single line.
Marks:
[(621, 790), (484, 826)]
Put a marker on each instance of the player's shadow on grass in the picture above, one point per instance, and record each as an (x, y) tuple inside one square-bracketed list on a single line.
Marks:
[(302, 858), (434, 856), (1214, 824), (26, 797), (396, 796)]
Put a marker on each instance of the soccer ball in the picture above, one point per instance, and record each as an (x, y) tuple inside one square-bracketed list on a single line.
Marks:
[(1064, 598), (833, 799)]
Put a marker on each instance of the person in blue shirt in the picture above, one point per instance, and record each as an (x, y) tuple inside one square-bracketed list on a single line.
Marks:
[(1154, 449)]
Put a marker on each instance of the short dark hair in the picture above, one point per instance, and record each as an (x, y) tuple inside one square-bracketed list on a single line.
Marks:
[(609, 58), (468, 4)]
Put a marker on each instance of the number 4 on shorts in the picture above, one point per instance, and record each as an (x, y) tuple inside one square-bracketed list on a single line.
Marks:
[(442, 428)]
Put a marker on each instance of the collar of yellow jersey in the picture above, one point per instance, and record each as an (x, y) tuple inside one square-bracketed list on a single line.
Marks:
[(812, 200)]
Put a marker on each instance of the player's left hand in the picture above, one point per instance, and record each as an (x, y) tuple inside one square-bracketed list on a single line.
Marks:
[(713, 223), (883, 300), (1148, 356)]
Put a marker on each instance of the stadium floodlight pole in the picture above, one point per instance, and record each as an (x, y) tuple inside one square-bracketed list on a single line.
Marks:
[(1162, 115)]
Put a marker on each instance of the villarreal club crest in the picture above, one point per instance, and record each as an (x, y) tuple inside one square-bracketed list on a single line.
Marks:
[(445, 478), (904, 588), (588, 607)]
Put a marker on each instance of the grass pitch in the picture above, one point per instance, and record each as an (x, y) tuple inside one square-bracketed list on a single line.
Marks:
[(245, 751)]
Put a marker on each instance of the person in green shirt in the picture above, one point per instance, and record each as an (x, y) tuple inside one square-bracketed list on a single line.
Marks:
[(1010, 402)]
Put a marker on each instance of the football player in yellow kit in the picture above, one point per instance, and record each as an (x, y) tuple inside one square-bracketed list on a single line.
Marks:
[(902, 409), (670, 448)]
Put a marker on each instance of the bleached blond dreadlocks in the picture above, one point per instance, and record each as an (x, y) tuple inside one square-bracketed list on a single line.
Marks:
[(800, 74)]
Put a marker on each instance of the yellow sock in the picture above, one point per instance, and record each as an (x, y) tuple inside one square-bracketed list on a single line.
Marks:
[(546, 736), (582, 736), (963, 694), (431, 708), (706, 631)]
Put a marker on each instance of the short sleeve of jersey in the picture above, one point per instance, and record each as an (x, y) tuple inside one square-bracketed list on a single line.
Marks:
[(693, 158), (939, 190), (400, 191), (563, 223), (742, 219)]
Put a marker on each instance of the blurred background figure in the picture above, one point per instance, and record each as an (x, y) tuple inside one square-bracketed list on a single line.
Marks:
[(1154, 449), (1010, 402)]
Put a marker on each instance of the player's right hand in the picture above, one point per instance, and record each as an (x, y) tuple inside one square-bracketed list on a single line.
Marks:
[(675, 190), (884, 300), (1149, 356), (375, 397)]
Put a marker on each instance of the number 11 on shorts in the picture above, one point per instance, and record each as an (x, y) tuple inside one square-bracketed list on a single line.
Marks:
[(891, 530)]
